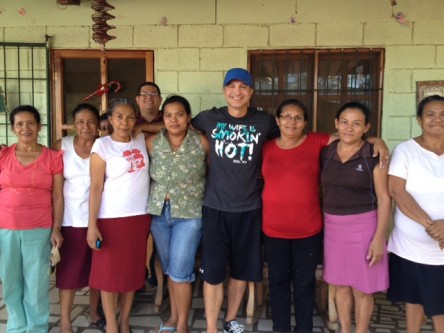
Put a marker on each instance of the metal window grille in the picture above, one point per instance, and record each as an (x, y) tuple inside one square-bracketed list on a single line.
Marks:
[(24, 79), (322, 79)]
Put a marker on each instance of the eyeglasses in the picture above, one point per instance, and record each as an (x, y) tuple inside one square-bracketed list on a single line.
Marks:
[(288, 117), (148, 94)]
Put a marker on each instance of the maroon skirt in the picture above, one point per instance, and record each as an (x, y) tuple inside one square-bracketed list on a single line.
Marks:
[(120, 265), (73, 269)]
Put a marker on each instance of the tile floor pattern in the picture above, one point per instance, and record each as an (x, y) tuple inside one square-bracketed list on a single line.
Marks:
[(387, 317)]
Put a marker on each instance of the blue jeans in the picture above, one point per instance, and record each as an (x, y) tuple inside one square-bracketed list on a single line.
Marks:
[(176, 241), (292, 261), (24, 256)]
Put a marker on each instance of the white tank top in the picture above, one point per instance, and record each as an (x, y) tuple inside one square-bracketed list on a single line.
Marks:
[(76, 186)]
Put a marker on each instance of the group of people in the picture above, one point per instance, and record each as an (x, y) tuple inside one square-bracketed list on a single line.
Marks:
[(242, 181)]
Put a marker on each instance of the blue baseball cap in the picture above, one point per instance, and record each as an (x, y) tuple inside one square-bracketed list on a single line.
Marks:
[(238, 74)]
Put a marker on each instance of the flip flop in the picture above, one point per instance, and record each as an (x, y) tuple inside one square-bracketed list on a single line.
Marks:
[(169, 329), (100, 324)]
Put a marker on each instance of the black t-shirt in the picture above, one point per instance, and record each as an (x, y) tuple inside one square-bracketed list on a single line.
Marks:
[(234, 183)]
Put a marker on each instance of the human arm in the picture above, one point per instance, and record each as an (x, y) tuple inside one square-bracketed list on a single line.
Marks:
[(436, 231), (154, 127), (97, 174), (57, 209), (405, 202), (206, 146), (377, 245), (149, 143), (57, 145)]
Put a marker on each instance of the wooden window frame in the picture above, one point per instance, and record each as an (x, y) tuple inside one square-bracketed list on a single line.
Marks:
[(57, 79)]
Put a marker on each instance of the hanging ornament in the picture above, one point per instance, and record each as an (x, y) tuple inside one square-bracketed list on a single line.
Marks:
[(400, 18), (100, 27), (393, 3)]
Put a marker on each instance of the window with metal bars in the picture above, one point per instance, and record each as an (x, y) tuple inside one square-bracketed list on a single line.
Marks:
[(24, 79), (322, 79)]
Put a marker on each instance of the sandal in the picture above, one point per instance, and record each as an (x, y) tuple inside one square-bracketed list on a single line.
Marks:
[(100, 324), (166, 329)]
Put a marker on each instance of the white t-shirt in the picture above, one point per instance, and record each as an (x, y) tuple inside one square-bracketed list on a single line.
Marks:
[(76, 186), (423, 171), (126, 187)]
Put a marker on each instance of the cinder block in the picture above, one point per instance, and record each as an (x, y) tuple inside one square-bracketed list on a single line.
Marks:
[(403, 105), (413, 57), (70, 37), (339, 34), (386, 33), (246, 35), (200, 36), (200, 82), (398, 128), (177, 59), (210, 100), (293, 35), (124, 37), (262, 12), (222, 58), (155, 36), (399, 80), (432, 74), (440, 56), (25, 34), (167, 81), (428, 33)]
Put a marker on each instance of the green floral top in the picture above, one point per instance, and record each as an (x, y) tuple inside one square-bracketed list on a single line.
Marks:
[(180, 173)]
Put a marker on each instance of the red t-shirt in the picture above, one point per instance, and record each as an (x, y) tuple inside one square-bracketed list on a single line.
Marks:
[(291, 206), (26, 191)]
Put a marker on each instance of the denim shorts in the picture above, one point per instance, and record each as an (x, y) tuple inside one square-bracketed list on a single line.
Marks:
[(177, 240)]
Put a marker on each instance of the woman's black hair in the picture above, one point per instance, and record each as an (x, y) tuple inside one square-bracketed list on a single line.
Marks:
[(177, 99), (86, 106), (120, 101), (24, 108), (427, 100), (294, 102), (355, 105)]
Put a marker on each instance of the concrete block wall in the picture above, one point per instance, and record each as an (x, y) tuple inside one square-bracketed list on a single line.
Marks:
[(195, 42)]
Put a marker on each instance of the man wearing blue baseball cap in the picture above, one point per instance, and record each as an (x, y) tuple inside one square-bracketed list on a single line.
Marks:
[(232, 212)]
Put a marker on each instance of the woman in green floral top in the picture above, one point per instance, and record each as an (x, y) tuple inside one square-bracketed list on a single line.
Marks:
[(178, 168)]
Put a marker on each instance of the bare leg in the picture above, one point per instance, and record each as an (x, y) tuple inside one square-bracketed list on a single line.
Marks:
[(363, 310), (236, 291), (94, 297), (438, 323), (213, 297), (109, 303), (172, 321), (126, 302), (415, 317), (344, 304), (182, 296), (66, 297)]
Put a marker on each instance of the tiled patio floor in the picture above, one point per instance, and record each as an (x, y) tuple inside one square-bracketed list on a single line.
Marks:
[(387, 317)]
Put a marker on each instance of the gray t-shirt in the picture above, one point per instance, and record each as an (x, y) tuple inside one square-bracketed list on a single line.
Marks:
[(234, 181)]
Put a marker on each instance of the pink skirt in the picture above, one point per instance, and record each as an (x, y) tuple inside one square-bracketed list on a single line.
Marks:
[(73, 269), (346, 242), (120, 265)]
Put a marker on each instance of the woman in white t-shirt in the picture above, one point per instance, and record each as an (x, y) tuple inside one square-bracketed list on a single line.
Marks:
[(416, 183), (118, 220)]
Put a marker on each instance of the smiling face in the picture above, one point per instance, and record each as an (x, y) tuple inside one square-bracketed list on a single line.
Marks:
[(176, 118), (86, 125), (238, 94), (148, 100), (351, 125), (122, 120), (432, 118), (25, 127), (291, 121)]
